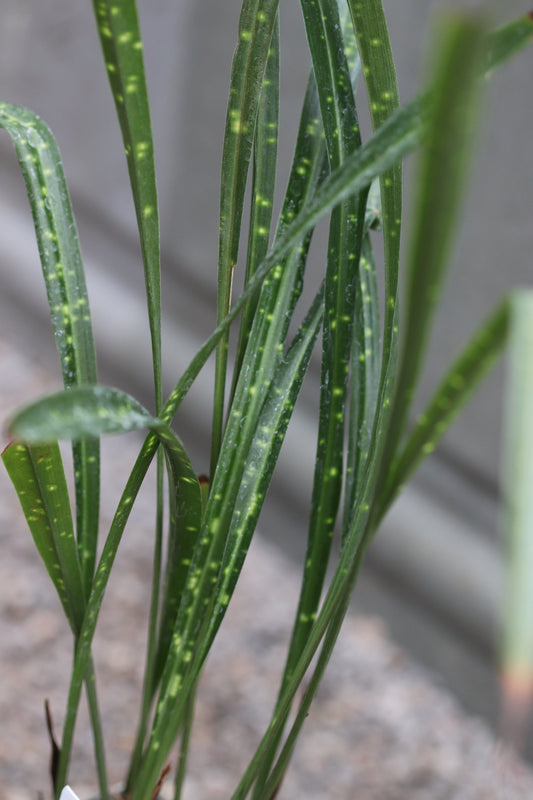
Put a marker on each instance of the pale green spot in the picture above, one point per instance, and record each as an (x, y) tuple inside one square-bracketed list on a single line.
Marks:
[(141, 149), (235, 121)]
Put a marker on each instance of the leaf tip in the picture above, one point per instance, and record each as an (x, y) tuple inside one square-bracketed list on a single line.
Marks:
[(8, 445)]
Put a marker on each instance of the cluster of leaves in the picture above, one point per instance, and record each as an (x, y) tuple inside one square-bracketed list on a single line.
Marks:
[(365, 452)]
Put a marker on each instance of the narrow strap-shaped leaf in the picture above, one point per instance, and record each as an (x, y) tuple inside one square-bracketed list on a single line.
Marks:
[(262, 457), (443, 173), (517, 640), (120, 37), (378, 68), (473, 364), (507, 41), (341, 129), (263, 185), (266, 344), (40, 163), (218, 559), (64, 277), (327, 197), (121, 413), (278, 295), (82, 411), (364, 378), (340, 587), (271, 786), (255, 33), (83, 649), (382, 87), (281, 289), (97, 410), (397, 138), (185, 512), (39, 480)]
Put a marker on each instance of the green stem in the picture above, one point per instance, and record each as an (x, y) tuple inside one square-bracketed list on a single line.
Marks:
[(184, 744), (96, 724), (151, 647)]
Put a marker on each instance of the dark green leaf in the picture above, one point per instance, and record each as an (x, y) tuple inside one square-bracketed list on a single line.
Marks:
[(220, 554), (120, 37), (41, 166), (364, 378), (256, 25), (474, 363), (336, 96), (263, 185), (82, 411), (39, 480), (442, 179)]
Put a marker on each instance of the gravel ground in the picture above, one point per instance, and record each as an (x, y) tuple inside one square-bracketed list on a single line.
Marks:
[(380, 729)]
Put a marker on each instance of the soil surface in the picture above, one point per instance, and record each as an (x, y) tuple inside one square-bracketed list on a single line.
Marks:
[(381, 728)]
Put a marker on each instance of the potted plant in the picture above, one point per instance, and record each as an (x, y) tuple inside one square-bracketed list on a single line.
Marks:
[(371, 355)]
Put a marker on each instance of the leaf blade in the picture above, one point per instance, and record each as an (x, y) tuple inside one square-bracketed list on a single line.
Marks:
[(255, 32), (120, 38), (473, 364), (82, 411), (39, 480), (63, 272)]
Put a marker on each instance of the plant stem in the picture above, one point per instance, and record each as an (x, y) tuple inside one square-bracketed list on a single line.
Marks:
[(184, 744), (96, 724), (151, 648)]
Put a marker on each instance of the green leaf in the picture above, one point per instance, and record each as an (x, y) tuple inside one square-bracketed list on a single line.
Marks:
[(364, 377), (442, 179), (120, 37), (185, 511), (83, 649), (39, 480), (40, 163), (336, 95), (507, 41), (82, 411), (473, 364), (517, 644), (412, 120), (397, 138), (221, 551), (263, 185), (256, 25), (262, 456), (64, 277), (187, 490), (382, 86)]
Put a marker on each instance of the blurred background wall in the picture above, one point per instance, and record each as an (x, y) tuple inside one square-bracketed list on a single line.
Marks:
[(435, 571)]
